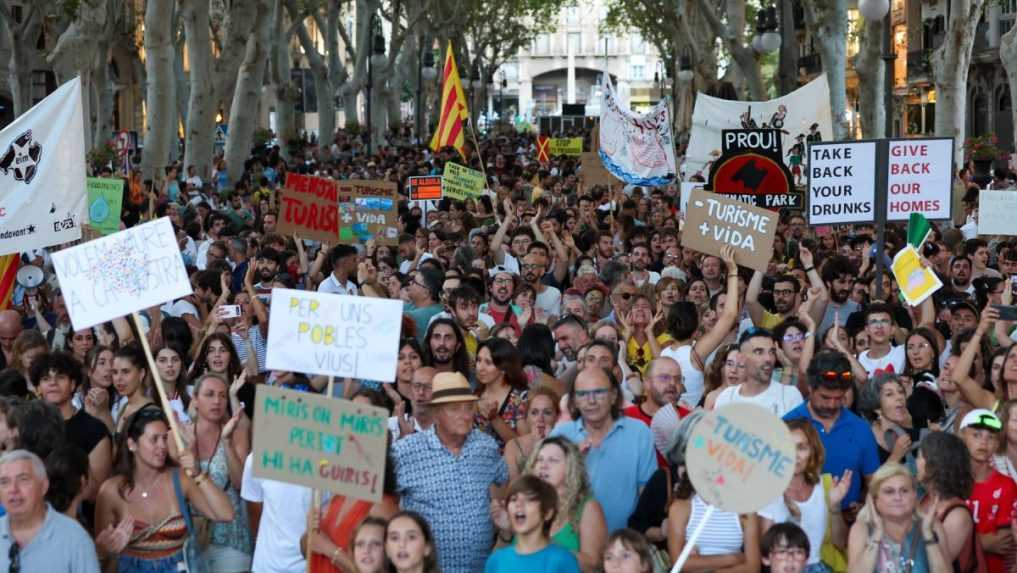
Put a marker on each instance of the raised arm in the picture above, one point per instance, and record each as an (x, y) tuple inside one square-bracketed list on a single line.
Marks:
[(712, 339), (752, 305), (818, 308), (497, 242), (973, 392)]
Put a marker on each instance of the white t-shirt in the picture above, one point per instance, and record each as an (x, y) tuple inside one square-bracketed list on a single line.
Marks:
[(283, 521), (178, 308), (813, 520), (896, 358), (653, 278), (549, 301), (777, 398), (694, 379), (331, 285)]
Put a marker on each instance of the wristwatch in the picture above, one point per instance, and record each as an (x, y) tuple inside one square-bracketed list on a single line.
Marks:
[(934, 540)]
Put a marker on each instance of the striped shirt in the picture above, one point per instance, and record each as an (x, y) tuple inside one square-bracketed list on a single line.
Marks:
[(721, 536), (257, 341)]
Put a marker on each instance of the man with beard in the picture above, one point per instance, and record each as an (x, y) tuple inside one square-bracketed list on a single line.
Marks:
[(424, 291), (960, 275), (570, 335), (502, 288), (640, 261), (847, 439), (267, 266), (993, 495), (839, 278), (343, 260), (215, 226), (662, 385), (712, 275), (445, 348), (758, 349), (786, 295), (548, 297)]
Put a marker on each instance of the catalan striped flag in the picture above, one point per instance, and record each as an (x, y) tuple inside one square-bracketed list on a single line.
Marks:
[(453, 108), (8, 272)]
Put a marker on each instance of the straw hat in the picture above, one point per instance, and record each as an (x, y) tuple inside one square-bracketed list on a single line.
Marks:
[(450, 387)]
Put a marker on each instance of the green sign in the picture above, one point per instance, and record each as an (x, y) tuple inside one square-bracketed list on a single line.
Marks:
[(566, 146), (462, 183), (104, 199)]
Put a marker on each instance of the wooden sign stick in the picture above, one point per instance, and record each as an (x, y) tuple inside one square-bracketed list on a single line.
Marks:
[(170, 415), (316, 494)]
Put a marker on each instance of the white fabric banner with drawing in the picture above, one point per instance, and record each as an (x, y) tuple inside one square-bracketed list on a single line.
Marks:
[(636, 148)]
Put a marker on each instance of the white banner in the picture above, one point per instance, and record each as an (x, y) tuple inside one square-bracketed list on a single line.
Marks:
[(636, 148), (794, 114), (42, 174), (997, 212), (334, 335), (121, 273)]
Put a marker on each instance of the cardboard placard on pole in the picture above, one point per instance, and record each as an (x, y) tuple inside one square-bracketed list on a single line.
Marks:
[(461, 183), (920, 178), (566, 145), (105, 198), (424, 188), (368, 210), (713, 221), (308, 208), (593, 172), (997, 212)]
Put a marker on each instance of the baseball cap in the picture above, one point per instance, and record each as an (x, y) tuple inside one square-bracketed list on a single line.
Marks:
[(982, 419), (500, 270)]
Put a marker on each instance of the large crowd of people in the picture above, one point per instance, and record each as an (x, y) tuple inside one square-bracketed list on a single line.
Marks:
[(559, 345)]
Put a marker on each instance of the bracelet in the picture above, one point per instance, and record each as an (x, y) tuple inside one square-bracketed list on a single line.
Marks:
[(335, 556), (934, 540), (200, 478), (809, 269)]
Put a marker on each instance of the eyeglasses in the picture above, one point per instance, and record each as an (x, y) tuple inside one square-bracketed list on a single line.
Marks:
[(833, 376), (532, 267), (626, 295), (14, 557), (592, 395), (502, 280), (794, 337)]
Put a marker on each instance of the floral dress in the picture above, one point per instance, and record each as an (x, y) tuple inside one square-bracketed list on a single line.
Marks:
[(236, 533), (512, 410)]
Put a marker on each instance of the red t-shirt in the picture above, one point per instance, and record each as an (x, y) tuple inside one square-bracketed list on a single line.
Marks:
[(991, 504), (634, 411)]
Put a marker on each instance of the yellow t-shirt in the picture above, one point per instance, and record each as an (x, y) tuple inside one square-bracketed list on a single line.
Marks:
[(639, 357)]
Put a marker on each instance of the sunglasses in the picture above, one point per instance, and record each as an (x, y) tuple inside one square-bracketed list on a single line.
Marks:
[(833, 376), (14, 557)]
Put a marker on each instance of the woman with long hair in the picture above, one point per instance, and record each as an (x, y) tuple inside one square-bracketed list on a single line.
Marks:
[(812, 499), (97, 394), (642, 345), (890, 534), (626, 551), (220, 441), (579, 525), (502, 391), (171, 362), (131, 380), (667, 291), (79, 343), (944, 470), (922, 352), (542, 410), (1005, 460), (28, 346), (147, 496), (369, 546), (217, 355), (536, 350), (883, 402), (726, 370), (409, 544)]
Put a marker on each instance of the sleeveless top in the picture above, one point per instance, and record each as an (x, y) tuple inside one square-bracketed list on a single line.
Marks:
[(338, 523), (722, 535), (568, 536), (157, 541), (234, 533), (907, 557)]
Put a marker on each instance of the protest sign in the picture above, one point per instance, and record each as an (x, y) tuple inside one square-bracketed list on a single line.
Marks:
[(920, 178), (368, 210), (686, 190), (842, 185), (740, 457), (713, 221), (334, 335), (637, 148), (105, 197), (997, 213), (309, 208), (121, 273), (751, 169), (917, 282), (424, 188), (593, 172), (566, 146), (462, 183), (319, 442)]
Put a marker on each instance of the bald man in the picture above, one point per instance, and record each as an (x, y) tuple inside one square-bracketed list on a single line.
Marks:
[(10, 328)]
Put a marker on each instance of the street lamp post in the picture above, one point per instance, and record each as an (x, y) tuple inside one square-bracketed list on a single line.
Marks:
[(502, 84), (425, 72), (378, 53), (475, 84), (767, 38)]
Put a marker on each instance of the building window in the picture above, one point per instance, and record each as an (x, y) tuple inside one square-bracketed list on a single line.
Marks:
[(638, 46), (575, 43), (638, 72), (599, 48), (572, 15), (542, 45)]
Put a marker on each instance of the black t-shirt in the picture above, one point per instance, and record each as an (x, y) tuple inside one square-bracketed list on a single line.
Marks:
[(85, 431)]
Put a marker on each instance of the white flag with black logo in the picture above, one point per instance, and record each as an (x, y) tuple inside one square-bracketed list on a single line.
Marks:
[(42, 173)]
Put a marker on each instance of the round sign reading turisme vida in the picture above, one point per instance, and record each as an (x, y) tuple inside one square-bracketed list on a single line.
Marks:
[(740, 457)]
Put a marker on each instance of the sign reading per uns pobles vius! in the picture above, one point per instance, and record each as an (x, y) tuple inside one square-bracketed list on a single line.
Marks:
[(713, 221), (920, 178), (842, 184)]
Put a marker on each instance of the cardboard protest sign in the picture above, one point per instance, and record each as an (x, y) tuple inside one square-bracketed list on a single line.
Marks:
[(368, 210), (997, 213), (105, 197), (319, 442), (593, 172), (566, 146), (917, 282), (740, 457), (121, 273), (424, 188), (842, 184), (920, 178), (462, 183), (309, 208), (713, 221), (334, 335)]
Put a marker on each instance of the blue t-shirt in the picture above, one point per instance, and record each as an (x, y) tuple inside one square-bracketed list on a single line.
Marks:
[(849, 445), (551, 559)]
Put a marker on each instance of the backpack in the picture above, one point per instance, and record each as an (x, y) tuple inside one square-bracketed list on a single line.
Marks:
[(972, 555)]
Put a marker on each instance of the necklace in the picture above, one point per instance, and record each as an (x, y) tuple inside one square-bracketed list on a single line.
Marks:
[(144, 492)]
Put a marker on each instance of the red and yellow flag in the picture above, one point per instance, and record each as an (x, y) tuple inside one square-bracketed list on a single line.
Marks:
[(8, 272), (453, 108), (543, 146)]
